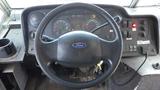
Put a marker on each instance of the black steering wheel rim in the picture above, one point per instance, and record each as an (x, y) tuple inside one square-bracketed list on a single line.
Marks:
[(50, 73)]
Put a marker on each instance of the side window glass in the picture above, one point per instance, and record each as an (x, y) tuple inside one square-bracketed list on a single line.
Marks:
[(1, 16)]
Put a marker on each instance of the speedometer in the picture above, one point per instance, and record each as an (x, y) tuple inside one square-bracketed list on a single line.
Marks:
[(60, 27)]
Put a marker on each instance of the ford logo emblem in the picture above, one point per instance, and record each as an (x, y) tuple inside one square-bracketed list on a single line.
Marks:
[(79, 45)]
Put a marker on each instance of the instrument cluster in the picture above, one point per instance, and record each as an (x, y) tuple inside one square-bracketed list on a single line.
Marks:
[(71, 20)]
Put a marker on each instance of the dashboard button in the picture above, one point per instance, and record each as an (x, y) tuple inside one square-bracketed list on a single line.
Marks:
[(142, 22), (134, 48), (142, 28), (130, 48), (125, 24), (129, 34), (143, 34), (32, 34), (124, 33)]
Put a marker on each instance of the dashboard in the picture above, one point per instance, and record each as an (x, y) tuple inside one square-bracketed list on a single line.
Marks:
[(139, 32), (139, 28)]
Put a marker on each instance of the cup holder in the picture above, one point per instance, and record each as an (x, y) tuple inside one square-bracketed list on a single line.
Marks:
[(7, 48)]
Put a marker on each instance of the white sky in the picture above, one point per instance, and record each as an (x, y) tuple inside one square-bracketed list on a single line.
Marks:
[(1, 15), (28, 3)]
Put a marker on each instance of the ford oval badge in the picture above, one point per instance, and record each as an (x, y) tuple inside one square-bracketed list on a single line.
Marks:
[(79, 45)]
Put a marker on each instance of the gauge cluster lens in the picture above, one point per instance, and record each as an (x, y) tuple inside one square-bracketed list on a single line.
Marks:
[(35, 18), (106, 33), (60, 27), (91, 24), (72, 20)]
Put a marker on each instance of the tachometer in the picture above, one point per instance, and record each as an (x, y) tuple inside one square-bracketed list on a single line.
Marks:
[(60, 27), (91, 24)]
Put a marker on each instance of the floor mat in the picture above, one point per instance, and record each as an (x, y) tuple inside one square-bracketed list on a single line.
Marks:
[(123, 74), (149, 82), (39, 82), (47, 84), (43, 83)]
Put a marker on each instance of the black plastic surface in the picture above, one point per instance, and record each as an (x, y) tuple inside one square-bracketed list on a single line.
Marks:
[(140, 39), (146, 30)]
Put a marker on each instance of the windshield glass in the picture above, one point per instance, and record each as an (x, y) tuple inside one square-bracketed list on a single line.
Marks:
[(28, 3), (148, 2)]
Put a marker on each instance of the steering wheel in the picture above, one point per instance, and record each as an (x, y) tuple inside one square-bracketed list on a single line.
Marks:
[(78, 48)]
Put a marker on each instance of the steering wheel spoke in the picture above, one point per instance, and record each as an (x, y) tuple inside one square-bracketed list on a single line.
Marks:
[(49, 50), (110, 49)]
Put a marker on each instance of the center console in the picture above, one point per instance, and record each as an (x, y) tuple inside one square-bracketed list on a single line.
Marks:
[(139, 36)]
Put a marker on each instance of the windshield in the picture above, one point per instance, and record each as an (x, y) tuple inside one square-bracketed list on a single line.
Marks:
[(148, 2), (29, 3)]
